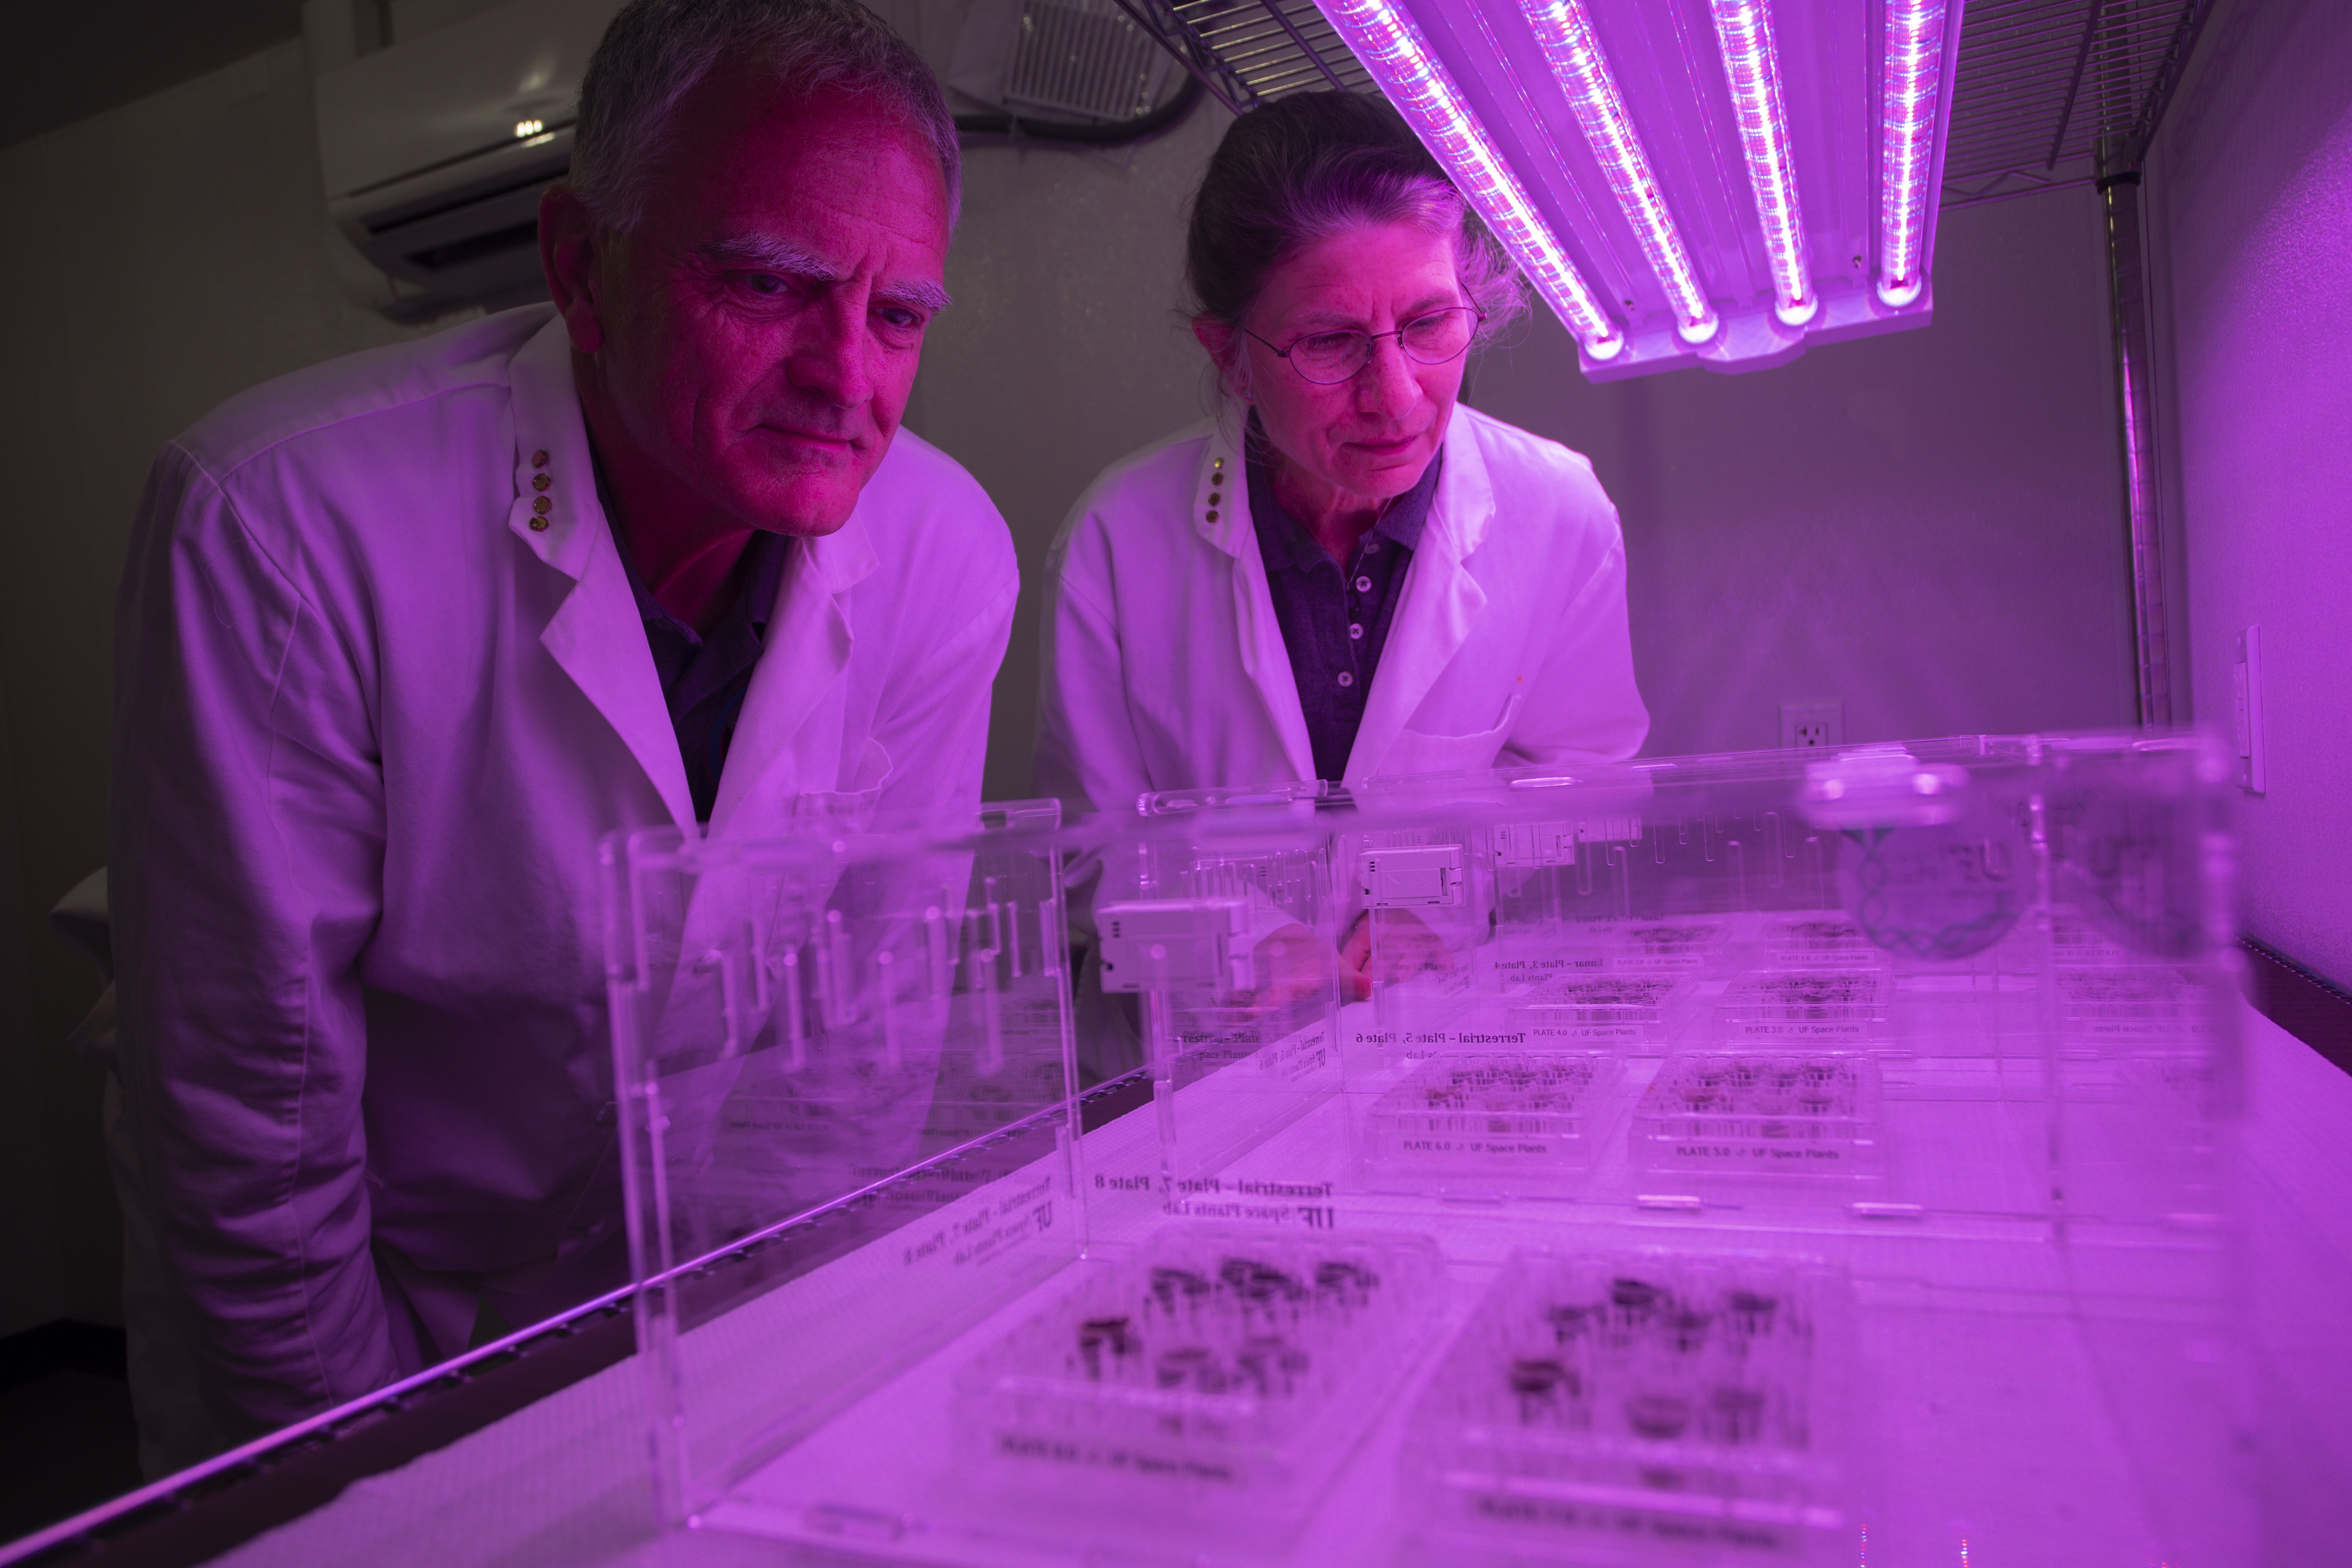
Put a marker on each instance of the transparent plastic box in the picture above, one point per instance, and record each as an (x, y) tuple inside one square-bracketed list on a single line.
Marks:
[(1223, 1371), (1806, 1006), (1666, 947), (1628, 1010), (1818, 941), (1521, 1121), (2127, 1005), (1643, 1407), (1763, 1114)]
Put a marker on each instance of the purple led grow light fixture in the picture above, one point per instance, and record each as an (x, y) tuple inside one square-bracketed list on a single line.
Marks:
[(1566, 35), (1909, 118), (1394, 50), (1723, 181), (1743, 29)]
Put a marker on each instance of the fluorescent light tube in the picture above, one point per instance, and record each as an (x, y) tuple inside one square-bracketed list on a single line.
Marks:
[(1568, 44), (1392, 48), (1912, 78), (1743, 29)]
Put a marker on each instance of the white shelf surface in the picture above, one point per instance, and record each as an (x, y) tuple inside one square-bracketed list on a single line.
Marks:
[(1980, 1386)]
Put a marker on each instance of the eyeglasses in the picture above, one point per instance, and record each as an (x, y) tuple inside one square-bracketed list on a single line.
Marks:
[(1327, 359)]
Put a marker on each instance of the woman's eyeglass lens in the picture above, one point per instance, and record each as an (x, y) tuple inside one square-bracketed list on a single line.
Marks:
[(1328, 358)]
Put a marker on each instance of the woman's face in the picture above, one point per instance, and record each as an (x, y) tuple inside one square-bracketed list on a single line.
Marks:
[(1373, 435)]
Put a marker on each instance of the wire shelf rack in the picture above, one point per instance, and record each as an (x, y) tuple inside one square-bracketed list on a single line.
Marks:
[(2044, 86)]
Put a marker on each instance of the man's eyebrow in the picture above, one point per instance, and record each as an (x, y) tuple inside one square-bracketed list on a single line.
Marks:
[(766, 250), (925, 296)]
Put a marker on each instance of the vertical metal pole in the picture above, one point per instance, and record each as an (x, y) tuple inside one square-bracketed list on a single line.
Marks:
[(2135, 399)]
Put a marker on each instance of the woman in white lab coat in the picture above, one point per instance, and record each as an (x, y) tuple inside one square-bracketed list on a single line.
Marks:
[(1344, 572)]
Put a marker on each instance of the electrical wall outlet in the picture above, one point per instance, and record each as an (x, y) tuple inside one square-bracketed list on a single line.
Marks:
[(1805, 725), (2248, 677)]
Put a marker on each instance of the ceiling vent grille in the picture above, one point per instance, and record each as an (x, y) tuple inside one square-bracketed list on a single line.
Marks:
[(1086, 59)]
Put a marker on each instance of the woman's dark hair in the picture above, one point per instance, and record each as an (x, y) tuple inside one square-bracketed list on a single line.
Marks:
[(1303, 168)]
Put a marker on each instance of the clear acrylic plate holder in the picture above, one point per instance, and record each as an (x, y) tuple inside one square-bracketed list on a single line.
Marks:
[(1219, 917), (846, 1082), (2001, 1212), (2045, 1291)]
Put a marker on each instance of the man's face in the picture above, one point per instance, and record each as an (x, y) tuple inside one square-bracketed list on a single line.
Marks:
[(758, 331)]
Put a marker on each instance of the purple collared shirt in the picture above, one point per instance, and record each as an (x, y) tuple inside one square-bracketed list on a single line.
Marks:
[(705, 676), (1335, 624)]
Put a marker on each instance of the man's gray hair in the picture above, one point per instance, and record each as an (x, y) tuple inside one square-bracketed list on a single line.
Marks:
[(655, 51)]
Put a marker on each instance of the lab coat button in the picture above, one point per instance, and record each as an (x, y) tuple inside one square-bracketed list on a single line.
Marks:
[(539, 525), (1212, 514), (542, 504), (538, 459), (541, 481)]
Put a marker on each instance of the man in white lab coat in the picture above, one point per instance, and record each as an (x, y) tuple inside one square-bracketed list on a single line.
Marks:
[(402, 636)]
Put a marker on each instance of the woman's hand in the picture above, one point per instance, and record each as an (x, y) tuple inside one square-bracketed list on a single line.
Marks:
[(1407, 947), (1298, 966)]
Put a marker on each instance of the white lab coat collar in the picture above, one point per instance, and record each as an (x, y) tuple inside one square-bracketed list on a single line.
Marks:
[(1441, 603), (598, 636), (1223, 478)]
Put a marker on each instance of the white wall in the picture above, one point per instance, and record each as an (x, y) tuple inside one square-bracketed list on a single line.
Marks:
[(161, 256), (2249, 196), (1927, 526), (1063, 354)]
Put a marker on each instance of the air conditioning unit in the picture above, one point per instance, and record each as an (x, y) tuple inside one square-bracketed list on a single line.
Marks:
[(435, 150)]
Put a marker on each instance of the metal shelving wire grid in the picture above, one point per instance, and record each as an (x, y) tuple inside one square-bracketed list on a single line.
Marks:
[(2042, 84)]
